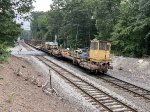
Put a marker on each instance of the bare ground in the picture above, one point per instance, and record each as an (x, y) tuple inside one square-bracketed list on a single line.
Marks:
[(21, 90)]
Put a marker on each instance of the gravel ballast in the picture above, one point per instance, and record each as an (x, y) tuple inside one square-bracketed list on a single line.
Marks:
[(63, 90), (135, 71)]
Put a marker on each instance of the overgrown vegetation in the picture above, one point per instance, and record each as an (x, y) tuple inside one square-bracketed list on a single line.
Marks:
[(9, 29), (4, 52), (131, 35), (75, 22)]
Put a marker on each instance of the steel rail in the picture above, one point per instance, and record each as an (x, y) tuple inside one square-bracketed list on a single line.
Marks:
[(128, 108), (127, 86), (93, 86), (121, 81)]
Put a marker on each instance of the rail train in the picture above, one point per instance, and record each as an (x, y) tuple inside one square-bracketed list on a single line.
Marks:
[(95, 59)]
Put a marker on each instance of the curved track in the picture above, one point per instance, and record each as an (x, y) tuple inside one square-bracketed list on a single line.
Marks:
[(128, 87), (102, 100)]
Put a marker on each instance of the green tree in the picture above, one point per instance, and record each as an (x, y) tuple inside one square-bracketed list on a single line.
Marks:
[(39, 25), (25, 34), (9, 29), (75, 22), (77, 27), (131, 33), (70, 21), (106, 13)]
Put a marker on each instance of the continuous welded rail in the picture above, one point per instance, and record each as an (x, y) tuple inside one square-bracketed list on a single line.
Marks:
[(97, 97), (128, 87)]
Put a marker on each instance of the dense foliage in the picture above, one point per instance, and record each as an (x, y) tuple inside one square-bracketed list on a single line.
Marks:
[(9, 29), (75, 22), (131, 34), (25, 34)]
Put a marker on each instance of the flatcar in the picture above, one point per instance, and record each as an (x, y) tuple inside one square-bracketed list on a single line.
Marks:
[(96, 58), (53, 48)]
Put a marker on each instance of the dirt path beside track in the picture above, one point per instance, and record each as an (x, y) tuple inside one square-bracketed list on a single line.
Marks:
[(21, 90)]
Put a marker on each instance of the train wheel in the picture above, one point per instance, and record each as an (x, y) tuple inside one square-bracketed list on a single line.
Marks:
[(93, 72), (96, 72), (74, 61), (104, 71)]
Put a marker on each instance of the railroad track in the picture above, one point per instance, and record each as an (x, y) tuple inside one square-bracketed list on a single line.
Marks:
[(27, 47), (137, 91), (102, 100), (128, 87)]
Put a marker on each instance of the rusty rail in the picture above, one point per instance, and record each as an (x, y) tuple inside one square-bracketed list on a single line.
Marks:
[(138, 91), (97, 97)]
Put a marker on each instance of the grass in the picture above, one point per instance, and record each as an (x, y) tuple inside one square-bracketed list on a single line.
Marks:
[(10, 98), (4, 53), (1, 78), (4, 57)]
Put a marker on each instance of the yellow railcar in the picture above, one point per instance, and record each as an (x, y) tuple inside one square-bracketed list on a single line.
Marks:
[(97, 58), (100, 51)]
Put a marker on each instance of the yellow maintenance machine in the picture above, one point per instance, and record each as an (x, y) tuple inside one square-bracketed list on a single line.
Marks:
[(97, 58), (100, 51)]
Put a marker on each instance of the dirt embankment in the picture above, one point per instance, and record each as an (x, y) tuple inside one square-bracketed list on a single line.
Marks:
[(132, 65), (21, 90), (134, 70)]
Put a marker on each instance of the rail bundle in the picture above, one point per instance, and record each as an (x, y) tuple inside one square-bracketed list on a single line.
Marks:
[(96, 58)]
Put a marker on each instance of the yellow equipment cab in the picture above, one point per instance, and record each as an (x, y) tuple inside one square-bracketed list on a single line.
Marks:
[(100, 51)]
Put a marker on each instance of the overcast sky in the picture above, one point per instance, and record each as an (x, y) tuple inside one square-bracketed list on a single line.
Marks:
[(40, 5)]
